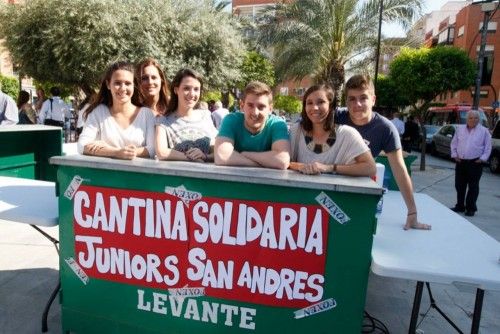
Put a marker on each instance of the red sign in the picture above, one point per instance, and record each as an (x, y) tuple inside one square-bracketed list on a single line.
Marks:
[(258, 252)]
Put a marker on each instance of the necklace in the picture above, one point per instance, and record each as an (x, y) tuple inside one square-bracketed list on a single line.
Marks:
[(320, 147)]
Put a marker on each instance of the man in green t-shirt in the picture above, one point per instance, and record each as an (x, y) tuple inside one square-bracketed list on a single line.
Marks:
[(255, 137)]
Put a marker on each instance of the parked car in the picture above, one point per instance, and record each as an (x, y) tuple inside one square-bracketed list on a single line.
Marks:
[(494, 161), (430, 130), (441, 141)]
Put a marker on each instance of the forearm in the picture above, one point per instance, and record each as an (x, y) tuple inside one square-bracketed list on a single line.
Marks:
[(357, 169), (405, 187), (142, 152), (234, 159), (170, 154), (270, 159), (100, 150)]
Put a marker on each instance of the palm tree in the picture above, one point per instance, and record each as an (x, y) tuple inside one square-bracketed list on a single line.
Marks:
[(321, 37), (219, 5)]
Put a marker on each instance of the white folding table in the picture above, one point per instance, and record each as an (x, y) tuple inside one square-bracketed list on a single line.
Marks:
[(453, 251), (31, 202)]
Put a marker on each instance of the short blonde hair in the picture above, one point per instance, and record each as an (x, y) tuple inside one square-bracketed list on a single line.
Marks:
[(258, 88)]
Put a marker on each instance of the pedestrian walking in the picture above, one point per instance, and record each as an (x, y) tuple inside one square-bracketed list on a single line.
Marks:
[(470, 147)]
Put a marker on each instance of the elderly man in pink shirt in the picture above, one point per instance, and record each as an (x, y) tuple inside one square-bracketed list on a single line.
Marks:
[(470, 147)]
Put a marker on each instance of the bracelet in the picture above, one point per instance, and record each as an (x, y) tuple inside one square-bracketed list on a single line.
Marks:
[(334, 171), (411, 213)]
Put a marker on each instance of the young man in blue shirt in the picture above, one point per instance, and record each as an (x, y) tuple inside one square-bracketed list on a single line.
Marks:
[(380, 135)]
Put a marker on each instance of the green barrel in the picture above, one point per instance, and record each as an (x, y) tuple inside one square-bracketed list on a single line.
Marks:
[(388, 176), (176, 247)]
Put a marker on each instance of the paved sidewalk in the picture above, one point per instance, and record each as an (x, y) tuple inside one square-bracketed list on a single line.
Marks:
[(29, 270)]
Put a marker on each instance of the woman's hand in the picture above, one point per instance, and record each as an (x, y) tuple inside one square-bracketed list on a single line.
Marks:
[(315, 168), (195, 154), (129, 152)]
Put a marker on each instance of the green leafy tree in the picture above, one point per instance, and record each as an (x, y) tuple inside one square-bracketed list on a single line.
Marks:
[(420, 75), (72, 42), (256, 67), (388, 94), (320, 37), (288, 103), (9, 85)]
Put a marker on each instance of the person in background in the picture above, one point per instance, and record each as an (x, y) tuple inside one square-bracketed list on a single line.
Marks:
[(154, 88), (185, 133), (54, 110), (235, 107), (80, 122), (27, 114), (40, 99), (470, 147), (399, 124), (411, 134), (380, 135), (115, 125), (211, 105), (9, 114), (253, 138), (321, 147), (202, 105), (218, 114)]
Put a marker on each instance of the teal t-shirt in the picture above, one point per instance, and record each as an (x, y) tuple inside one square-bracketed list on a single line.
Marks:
[(233, 127)]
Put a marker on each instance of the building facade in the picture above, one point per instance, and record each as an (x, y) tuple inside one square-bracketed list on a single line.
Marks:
[(465, 33)]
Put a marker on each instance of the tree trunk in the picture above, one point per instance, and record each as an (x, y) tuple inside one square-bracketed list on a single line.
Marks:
[(335, 77)]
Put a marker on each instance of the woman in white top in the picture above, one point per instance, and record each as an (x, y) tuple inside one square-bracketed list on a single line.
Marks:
[(185, 133), (153, 86), (115, 125), (318, 146)]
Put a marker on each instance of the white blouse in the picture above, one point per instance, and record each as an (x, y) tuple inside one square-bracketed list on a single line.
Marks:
[(348, 145), (100, 125)]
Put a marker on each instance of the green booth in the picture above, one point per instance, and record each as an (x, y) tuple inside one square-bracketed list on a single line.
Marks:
[(389, 180), (25, 151), (179, 247)]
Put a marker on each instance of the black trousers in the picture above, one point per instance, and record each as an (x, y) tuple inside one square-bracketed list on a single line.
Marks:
[(467, 175)]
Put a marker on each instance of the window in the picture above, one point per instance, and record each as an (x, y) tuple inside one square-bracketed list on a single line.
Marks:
[(284, 91), (487, 69), (492, 26), (460, 31)]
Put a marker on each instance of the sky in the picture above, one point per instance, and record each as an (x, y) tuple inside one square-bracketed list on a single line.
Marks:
[(394, 30)]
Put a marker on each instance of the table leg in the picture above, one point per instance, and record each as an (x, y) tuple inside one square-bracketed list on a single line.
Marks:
[(436, 307), (58, 287), (47, 307), (416, 307), (478, 306)]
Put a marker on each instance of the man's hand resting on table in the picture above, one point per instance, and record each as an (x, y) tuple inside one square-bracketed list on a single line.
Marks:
[(412, 223)]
